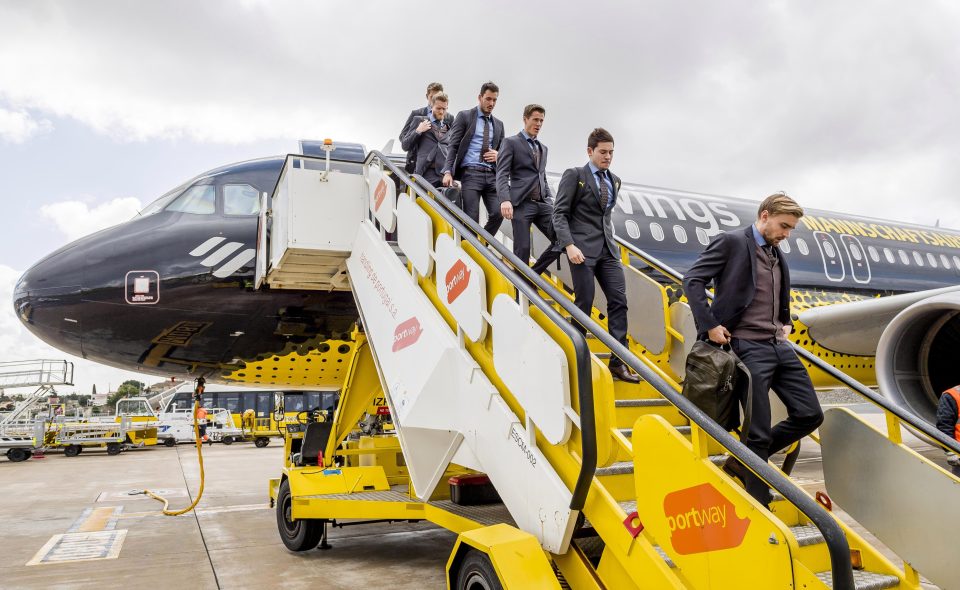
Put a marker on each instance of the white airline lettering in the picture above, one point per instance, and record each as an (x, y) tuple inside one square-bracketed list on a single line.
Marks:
[(710, 215)]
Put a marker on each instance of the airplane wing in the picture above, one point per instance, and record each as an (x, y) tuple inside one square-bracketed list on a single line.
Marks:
[(855, 328)]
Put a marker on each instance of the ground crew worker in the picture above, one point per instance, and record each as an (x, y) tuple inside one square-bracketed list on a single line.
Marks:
[(948, 421), (202, 423)]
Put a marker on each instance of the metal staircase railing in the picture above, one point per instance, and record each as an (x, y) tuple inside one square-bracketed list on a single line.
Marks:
[(834, 537)]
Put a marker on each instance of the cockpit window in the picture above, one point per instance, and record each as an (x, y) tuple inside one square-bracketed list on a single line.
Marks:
[(240, 199), (161, 203), (199, 199)]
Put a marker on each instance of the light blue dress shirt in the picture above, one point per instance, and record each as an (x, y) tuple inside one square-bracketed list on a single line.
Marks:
[(472, 158)]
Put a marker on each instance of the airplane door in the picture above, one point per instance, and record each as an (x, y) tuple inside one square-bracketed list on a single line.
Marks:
[(859, 265), (832, 260)]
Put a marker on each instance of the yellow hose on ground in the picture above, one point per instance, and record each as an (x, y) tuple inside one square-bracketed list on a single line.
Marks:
[(196, 434)]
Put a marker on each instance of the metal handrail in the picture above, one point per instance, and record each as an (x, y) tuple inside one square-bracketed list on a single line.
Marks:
[(834, 537), (912, 420), (470, 231)]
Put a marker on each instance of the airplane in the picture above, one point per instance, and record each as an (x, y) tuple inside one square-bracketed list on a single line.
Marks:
[(172, 291)]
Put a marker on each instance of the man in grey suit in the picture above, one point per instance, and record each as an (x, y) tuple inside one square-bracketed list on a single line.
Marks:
[(474, 140), (522, 188), (427, 138), (582, 220)]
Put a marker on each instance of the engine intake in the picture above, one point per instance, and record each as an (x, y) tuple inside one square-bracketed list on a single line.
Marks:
[(918, 356)]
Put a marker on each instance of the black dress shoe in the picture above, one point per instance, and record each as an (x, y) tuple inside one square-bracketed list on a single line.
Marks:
[(623, 373), (735, 469)]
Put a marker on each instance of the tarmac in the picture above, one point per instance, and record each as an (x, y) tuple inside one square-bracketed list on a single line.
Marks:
[(71, 523)]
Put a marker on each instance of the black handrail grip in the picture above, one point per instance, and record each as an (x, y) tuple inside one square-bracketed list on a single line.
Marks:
[(907, 416), (837, 545), (469, 230)]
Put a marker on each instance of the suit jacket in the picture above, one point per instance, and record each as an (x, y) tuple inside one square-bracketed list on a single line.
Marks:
[(460, 136), (518, 173), (577, 217), (421, 112), (730, 262), (430, 151)]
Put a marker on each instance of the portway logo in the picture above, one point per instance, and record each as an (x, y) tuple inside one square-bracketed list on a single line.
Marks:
[(457, 279), (702, 519), (406, 334), (379, 194)]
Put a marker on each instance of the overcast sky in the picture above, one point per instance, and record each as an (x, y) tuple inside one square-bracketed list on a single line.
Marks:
[(105, 105)]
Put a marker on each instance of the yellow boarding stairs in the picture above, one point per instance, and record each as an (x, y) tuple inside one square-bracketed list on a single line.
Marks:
[(603, 484)]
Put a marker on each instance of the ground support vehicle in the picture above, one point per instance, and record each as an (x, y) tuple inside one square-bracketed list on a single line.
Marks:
[(177, 427), (75, 436)]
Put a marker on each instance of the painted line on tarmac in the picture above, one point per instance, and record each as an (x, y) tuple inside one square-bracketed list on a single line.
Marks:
[(68, 547), (97, 519)]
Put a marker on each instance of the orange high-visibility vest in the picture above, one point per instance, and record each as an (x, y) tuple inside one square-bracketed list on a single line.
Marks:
[(954, 392)]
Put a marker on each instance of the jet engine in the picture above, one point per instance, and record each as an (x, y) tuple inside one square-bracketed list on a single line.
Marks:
[(918, 355)]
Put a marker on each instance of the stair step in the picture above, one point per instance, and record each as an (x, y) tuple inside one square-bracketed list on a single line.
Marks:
[(653, 402), (615, 469), (807, 534), (864, 580), (664, 555), (628, 432), (602, 355)]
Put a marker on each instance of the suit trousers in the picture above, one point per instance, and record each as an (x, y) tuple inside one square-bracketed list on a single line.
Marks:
[(609, 273), (774, 365), (480, 185), (540, 214)]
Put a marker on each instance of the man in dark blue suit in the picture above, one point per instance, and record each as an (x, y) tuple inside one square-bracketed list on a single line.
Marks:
[(751, 312), (525, 197), (474, 141), (427, 139), (582, 220)]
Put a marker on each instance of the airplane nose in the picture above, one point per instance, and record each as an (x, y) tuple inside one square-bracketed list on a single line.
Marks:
[(47, 300)]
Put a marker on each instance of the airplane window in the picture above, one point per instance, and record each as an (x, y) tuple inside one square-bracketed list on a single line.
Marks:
[(918, 258), (200, 199), (680, 234), (856, 252), (932, 260), (240, 199), (874, 255), (829, 250), (888, 254), (633, 230), (656, 231), (802, 246), (903, 257), (945, 261), (702, 236), (956, 262), (785, 246)]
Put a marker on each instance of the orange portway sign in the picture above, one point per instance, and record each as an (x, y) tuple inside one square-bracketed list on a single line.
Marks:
[(457, 279), (702, 519)]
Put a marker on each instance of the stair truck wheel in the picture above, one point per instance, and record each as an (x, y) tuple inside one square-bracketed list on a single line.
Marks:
[(17, 454), (261, 442), (477, 573), (114, 448), (297, 535), (170, 442), (227, 440), (72, 450)]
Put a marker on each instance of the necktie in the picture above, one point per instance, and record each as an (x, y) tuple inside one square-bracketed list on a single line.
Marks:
[(537, 192), (768, 250), (604, 190), (485, 144)]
